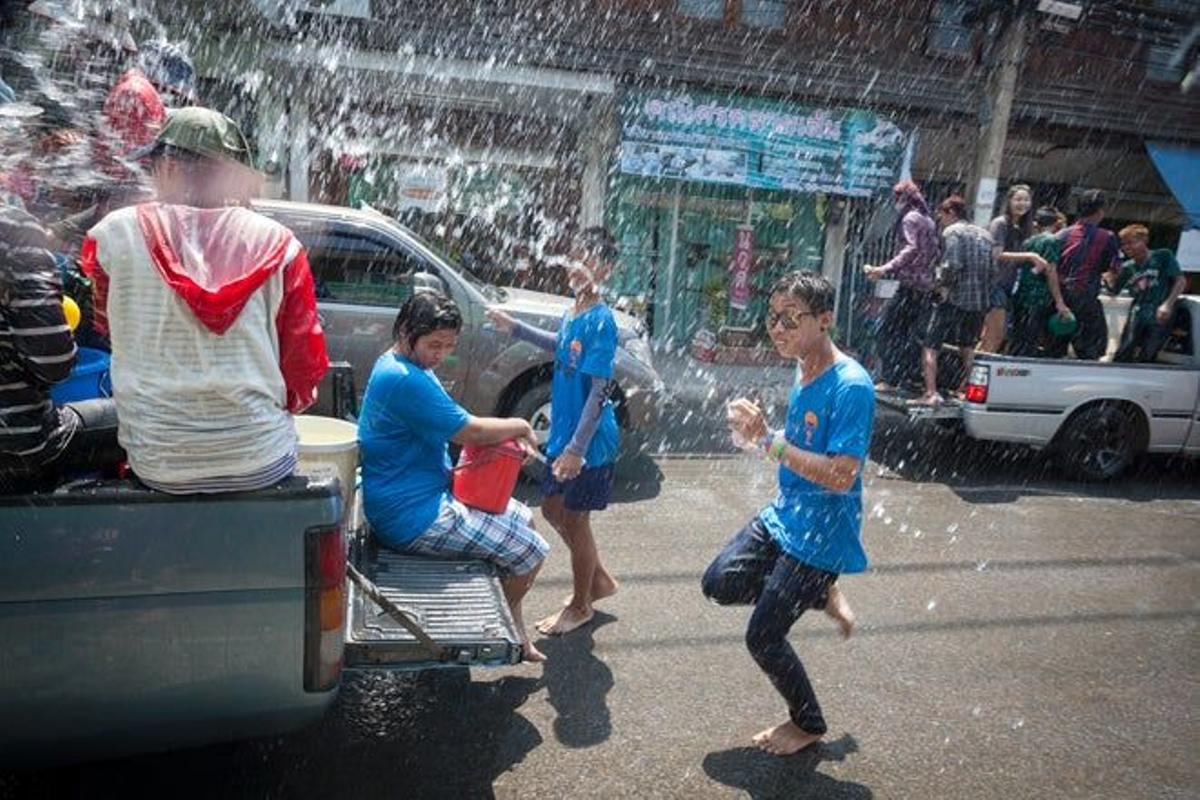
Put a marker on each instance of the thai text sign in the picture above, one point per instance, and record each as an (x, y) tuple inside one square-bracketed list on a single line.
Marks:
[(758, 143), (739, 268)]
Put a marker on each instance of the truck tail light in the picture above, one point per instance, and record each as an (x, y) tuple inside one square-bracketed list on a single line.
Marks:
[(977, 385), (324, 607)]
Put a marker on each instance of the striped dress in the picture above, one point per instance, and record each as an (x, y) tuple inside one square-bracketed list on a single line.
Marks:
[(36, 346)]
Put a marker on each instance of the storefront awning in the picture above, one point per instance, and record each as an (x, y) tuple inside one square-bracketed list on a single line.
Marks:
[(1180, 170)]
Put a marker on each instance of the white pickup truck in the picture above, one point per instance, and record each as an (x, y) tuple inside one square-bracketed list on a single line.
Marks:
[(1098, 417)]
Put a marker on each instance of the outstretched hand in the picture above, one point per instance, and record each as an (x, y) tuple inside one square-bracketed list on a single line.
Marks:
[(500, 319)]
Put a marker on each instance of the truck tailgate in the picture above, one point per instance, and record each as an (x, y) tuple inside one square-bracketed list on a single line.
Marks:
[(459, 604)]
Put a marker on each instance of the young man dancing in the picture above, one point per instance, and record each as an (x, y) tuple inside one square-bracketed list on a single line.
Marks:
[(789, 556)]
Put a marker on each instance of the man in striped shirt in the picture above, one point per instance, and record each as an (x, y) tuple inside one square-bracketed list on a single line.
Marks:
[(38, 441)]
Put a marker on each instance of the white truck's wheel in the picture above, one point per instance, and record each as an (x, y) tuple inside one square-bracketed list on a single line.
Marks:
[(1099, 442)]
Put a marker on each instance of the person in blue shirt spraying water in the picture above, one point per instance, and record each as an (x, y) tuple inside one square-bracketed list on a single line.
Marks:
[(584, 440), (789, 556)]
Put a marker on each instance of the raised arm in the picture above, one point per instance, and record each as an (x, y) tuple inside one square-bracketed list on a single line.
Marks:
[(536, 336)]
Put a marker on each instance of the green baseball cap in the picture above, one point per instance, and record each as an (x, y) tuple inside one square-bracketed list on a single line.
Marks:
[(204, 132)]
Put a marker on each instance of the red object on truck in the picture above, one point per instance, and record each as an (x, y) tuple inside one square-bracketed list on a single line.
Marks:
[(487, 474)]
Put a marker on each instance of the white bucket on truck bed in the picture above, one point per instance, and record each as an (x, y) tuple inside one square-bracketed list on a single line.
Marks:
[(329, 446)]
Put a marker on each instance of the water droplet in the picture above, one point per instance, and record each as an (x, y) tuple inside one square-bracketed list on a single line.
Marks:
[(931, 605)]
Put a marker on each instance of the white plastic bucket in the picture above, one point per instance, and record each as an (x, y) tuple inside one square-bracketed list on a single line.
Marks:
[(886, 289), (329, 447)]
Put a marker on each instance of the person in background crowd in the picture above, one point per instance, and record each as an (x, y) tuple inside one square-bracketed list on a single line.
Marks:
[(39, 442), (1088, 251), (584, 439), (212, 316), (964, 290), (404, 429), (789, 557), (1038, 294), (907, 314), (1156, 282), (1009, 232)]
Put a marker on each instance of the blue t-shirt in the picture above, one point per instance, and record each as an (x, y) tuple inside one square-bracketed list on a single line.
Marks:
[(406, 422), (587, 348), (832, 416)]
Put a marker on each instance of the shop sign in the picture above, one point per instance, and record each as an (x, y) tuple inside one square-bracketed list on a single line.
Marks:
[(739, 268), (423, 187), (758, 143)]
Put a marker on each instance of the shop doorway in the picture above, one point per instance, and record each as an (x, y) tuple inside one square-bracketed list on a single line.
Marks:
[(677, 244)]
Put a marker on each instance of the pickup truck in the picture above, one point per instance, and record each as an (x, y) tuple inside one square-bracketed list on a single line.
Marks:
[(133, 621), (1097, 417)]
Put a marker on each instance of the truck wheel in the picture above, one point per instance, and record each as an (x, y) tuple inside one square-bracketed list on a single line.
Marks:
[(1099, 443), (534, 406)]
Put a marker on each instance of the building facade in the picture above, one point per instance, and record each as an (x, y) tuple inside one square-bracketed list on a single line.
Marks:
[(514, 114)]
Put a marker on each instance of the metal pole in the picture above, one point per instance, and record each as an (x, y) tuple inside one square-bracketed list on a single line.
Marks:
[(668, 301)]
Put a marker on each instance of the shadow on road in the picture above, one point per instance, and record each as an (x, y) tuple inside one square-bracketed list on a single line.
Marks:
[(795, 777), (994, 472), (388, 735), (577, 685)]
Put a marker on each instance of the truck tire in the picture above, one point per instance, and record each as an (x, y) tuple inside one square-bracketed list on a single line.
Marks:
[(1099, 442), (534, 406)]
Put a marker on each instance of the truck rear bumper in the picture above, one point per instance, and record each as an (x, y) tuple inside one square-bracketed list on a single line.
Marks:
[(1022, 427)]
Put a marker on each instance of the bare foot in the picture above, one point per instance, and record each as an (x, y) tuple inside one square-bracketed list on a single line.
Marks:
[(564, 621), (785, 739), (530, 653), (602, 586), (884, 386), (837, 607), (931, 400)]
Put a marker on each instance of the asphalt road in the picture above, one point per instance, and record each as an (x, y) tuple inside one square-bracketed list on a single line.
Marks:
[(1020, 636)]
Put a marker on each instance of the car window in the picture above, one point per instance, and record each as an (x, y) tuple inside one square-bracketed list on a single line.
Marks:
[(353, 264)]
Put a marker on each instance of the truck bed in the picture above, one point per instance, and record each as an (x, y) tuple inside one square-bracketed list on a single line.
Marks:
[(459, 604)]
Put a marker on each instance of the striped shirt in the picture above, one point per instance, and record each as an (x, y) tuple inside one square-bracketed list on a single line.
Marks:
[(1088, 252), (259, 479), (36, 345), (968, 266)]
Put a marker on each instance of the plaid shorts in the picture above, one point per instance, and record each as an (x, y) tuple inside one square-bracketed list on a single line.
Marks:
[(507, 540)]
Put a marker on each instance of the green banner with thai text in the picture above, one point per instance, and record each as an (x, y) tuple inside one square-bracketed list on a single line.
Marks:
[(758, 143)]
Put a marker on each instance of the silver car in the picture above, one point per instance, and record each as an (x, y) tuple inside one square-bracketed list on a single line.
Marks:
[(366, 264)]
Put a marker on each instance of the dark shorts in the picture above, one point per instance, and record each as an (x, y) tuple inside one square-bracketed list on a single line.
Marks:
[(589, 491), (954, 325), (1000, 299)]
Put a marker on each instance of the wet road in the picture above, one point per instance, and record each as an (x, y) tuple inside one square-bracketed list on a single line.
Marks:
[(1020, 636)]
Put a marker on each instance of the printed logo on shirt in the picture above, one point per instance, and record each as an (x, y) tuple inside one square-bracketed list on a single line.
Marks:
[(811, 421), (1145, 279), (576, 353)]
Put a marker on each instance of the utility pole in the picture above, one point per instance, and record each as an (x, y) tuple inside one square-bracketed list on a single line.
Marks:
[(996, 110)]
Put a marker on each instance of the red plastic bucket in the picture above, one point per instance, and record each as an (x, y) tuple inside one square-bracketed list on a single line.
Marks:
[(487, 474)]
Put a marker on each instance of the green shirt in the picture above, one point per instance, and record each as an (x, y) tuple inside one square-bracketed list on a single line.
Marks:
[(1149, 284), (1032, 290)]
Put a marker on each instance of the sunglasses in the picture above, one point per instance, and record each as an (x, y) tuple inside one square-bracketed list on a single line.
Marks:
[(789, 319)]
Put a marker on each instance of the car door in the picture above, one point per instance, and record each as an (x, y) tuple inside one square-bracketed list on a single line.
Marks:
[(362, 277)]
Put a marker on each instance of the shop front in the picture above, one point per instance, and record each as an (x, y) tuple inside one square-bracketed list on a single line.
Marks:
[(716, 197)]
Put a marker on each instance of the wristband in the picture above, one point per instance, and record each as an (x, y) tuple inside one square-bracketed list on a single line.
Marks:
[(778, 447)]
